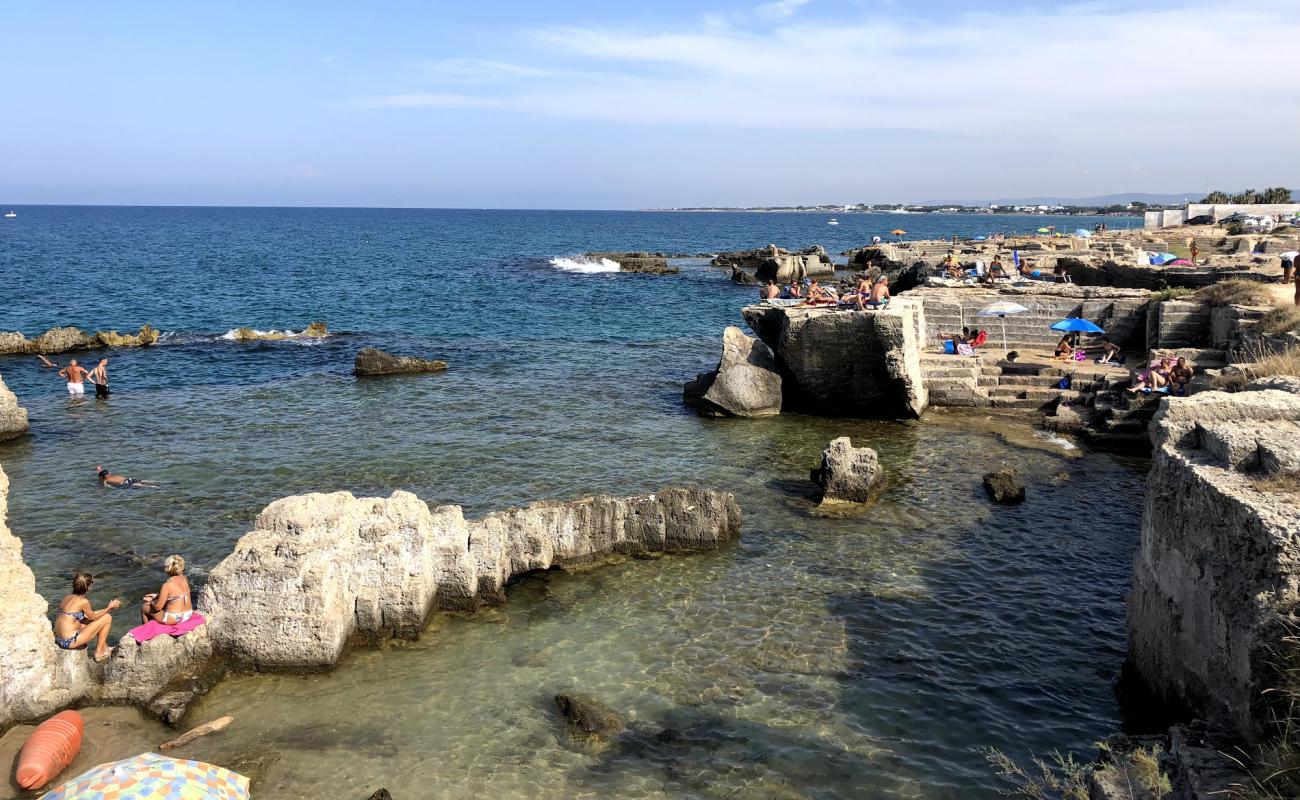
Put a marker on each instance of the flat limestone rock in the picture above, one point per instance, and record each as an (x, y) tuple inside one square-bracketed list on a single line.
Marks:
[(375, 363), (648, 263), (847, 473)]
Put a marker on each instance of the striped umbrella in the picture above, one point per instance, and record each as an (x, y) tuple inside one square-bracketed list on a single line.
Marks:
[(1001, 309), (153, 777)]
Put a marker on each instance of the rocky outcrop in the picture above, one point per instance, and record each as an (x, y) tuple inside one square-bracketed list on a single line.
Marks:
[(1004, 487), (649, 263), (316, 330), (847, 473), (588, 718), (847, 363), (375, 363), (1216, 582), (745, 384), (376, 567), (773, 263), (61, 340), (13, 417), (36, 677)]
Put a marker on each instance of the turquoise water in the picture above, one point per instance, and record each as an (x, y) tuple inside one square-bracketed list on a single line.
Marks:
[(819, 657)]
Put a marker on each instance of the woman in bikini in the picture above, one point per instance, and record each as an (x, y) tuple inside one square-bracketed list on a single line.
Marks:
[(171, 605), (76, 622)]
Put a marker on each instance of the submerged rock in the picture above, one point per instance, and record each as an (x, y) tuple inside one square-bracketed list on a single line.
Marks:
[(588, 717), (649, 263), (373, 363), (847, 473), (1004, 486), (381, 794), (13, 417), (745, 384), (316, 330)]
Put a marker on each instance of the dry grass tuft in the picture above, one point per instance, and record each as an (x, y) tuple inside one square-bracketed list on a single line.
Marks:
[(1274, 768), (1265, 363), (1279, 319), (1235, 293), (1280, 483)]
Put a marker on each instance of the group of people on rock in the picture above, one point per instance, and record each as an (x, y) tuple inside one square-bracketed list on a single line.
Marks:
[(995, 271), (1165, 373), (77, 623), (868, 293)]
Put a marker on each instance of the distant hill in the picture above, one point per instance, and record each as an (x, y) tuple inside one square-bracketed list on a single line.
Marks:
[(1105, 200)]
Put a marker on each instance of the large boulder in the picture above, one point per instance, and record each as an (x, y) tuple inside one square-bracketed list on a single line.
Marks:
[(847, 473), (1216, 583), (649, 263), (847, 363), (36, 677), (376, 567), (373, 363), (13, 417), (1004, 487), (745, 384)]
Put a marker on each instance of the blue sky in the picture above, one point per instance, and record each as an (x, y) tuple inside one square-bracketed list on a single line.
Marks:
[(575, 104)]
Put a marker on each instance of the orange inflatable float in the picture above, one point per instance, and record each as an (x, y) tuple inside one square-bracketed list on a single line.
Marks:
[(50, 749)]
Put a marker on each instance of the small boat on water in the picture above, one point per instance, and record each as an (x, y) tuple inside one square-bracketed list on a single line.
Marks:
[(11, 213), (833, 221)]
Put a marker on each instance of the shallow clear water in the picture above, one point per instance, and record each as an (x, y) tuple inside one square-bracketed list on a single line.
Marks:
[(819, 657)]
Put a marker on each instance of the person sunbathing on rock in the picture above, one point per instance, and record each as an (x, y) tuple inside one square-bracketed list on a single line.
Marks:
[(1064, 348), (770, 291), (1180, 376), (107, 478), (879, 295), (76, 622), (171, 604), (1156, 376), (819, 295), (1109, 352)]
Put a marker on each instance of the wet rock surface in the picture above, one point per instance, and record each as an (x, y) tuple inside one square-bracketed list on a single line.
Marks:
[(745, 384), (1004, 487), (847, 473), (587, 717), (13, 417), (64, 339), (370, 362), (648, 263)]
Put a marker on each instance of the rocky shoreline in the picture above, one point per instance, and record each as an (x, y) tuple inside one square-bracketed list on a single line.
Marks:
[(361, 569)]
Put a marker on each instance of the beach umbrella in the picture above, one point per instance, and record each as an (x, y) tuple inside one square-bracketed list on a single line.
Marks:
[(153, 777), (1001, 309), (979, 238), (1075, 325), (1083, 232), (1044, 230)]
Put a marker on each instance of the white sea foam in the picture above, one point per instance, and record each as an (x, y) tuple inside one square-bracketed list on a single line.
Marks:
[(585, 265), (233, 334), (1060, 441)]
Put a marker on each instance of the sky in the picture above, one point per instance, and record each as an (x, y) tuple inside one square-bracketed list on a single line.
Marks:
[(585, 104)]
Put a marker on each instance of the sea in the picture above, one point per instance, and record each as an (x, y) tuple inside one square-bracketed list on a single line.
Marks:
[(880, 653)]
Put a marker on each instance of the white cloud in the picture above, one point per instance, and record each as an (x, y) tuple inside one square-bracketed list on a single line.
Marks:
[(1085, 74), (781, 8)]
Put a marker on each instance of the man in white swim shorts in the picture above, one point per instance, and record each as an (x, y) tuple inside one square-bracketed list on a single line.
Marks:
[(75, 375)]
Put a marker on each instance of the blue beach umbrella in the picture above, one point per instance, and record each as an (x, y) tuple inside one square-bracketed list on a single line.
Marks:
[(979, 238), (1083, 232), (1075, 325)]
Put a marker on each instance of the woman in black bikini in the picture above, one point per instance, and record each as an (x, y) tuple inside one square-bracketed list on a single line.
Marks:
[(76, 622), (171, 605)]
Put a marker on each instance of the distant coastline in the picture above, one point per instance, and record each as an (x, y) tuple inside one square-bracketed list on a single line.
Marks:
[(1067, 211)]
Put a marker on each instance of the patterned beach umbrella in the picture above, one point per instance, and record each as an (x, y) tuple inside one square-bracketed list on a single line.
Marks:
[(153, 777), (1001, 309)]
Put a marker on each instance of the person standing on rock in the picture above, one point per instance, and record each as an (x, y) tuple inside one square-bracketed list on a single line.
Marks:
[(75, 375), (99, 377)]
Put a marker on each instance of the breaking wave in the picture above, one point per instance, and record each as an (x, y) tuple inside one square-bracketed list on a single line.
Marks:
[(587, 266)]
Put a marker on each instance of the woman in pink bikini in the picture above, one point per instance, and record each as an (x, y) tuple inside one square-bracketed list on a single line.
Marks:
[(171, 605)]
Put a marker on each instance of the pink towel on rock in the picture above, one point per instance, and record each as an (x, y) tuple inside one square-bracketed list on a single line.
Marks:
[(154, 628)]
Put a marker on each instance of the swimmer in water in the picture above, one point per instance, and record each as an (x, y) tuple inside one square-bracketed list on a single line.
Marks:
[(107, 478)]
